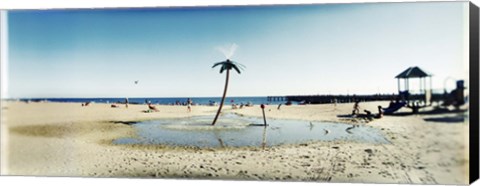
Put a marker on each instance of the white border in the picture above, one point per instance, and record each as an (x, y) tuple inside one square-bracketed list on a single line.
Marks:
[(3, 90), (3, 55)]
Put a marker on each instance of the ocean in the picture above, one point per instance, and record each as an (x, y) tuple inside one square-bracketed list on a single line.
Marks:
[(162, 101)]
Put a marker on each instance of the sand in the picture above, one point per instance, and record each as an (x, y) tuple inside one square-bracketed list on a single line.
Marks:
[(65, 139)]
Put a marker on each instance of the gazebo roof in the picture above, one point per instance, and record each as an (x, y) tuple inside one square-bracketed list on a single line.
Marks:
[(412, 72)]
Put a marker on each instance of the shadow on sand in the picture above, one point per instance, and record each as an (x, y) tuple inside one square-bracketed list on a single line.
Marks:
[(358, 117), (430, 112), (454, 119), (124, 122), (257, 125)]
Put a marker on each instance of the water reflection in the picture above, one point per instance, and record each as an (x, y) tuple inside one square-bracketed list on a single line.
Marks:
[(219, 139), (264, 139)]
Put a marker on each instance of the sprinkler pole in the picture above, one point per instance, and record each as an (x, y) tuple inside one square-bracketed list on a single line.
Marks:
[(263, 110)]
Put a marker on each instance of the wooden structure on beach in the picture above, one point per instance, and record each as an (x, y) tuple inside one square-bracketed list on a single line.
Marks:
[(424, 94), (324, 99)]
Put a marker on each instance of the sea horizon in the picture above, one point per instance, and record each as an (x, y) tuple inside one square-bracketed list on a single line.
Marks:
[(276, 99), (153, 100)]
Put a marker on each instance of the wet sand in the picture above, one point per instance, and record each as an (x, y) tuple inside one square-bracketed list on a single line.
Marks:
[(65, 139)]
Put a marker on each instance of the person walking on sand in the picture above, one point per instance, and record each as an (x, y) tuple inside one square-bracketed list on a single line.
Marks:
[(126, 102), (356, 108), (189, 105)]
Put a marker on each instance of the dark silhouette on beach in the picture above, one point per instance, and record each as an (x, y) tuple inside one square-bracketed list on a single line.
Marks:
[(152, 108)]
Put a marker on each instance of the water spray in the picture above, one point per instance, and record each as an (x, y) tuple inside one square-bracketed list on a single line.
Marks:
[(228, 51)]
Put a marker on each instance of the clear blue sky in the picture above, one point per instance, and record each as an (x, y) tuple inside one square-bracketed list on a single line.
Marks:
[(317, 49)]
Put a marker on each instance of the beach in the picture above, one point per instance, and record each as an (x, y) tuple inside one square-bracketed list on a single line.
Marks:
[(66, 139)]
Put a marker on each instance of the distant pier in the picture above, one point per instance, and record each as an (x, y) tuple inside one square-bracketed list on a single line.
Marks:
[(325, 99), (276, 98)]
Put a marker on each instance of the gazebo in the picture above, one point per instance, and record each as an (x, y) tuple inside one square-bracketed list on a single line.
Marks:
[(406, 93)]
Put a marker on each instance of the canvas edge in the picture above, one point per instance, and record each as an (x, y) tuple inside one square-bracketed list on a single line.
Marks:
[(473, 87), (474, 92)]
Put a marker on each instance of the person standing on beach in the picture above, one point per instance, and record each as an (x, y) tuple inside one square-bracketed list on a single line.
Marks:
[(334, 103), (126, 102), (189, 105)]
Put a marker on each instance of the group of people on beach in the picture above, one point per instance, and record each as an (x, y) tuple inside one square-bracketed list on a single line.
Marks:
[(86, 104), (368, 114), (151, 107), (235, 106)]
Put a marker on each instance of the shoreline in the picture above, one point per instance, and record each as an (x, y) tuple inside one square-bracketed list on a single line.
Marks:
[(417, 153)]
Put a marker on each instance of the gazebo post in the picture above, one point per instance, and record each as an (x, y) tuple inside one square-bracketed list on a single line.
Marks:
[(407, 88), (420, 79), (425, 83), (426, 92), (398, 82)]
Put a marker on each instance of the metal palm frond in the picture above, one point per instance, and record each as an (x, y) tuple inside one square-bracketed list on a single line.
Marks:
[(219, 63), (228, 65), (239, 65)]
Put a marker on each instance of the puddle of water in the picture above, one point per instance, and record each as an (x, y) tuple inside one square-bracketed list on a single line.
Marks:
[(235, 131)]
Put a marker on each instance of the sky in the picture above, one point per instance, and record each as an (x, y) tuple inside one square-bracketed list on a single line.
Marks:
[(287, 50)]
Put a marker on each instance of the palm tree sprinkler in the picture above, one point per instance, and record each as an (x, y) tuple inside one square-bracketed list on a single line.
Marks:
[(226, 65)]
